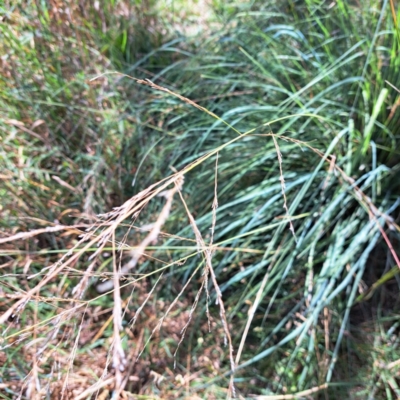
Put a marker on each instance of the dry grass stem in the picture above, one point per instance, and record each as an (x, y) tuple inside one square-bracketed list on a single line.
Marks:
[(209, 270), (304, 393), (119, 359), (138, 252), (50, 229), (282, 180), (171, 306), (95, 388)]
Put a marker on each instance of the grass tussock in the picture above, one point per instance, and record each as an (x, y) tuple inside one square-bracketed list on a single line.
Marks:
[(200, 216)]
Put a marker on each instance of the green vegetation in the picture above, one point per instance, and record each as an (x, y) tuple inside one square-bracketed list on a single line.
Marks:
[(184, 200)]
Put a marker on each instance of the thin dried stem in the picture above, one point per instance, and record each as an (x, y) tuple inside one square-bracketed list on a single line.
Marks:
[(193, 308), (161, 320), (49, 229), (304, 393), (282, 179), (138, 252), (119, 359), (208, 257), (94, 388)]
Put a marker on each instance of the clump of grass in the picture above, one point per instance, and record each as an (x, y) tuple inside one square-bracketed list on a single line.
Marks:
[(285, 130), (282, 66), (62, 139)]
